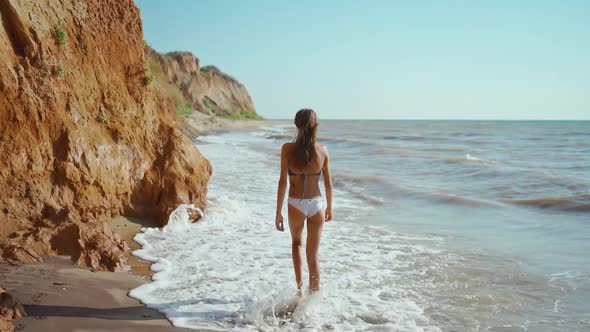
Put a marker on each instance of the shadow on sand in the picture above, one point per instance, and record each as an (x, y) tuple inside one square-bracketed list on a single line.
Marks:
[(125, 313)]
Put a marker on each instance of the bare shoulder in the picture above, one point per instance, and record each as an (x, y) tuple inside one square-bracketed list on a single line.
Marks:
[(324, 149), (287, 146)]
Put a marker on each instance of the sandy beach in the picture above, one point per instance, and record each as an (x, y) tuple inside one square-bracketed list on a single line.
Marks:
[(58, 296)]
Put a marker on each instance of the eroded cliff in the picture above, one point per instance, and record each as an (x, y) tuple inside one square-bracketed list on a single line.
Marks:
[(207, 90), (83, 135)]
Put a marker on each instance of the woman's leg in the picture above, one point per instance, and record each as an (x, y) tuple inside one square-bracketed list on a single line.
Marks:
[(296, 223), (315, 224)]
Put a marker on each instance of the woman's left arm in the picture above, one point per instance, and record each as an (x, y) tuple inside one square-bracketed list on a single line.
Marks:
[(282, 188), (328, 186)]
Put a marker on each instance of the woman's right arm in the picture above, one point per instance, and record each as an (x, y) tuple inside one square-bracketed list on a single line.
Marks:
[(282, 187), (328, 185)]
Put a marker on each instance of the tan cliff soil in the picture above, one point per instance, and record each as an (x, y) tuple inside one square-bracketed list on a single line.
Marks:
[(207, 90), (83, 138)]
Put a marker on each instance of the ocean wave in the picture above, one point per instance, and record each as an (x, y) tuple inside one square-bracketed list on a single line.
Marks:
[(576, 133), (279, 128), (320, 138), (359, 193), (410, 137), (359, 178), (456, 199), (471, 138), (442, 197), (344, 140), (578, 203), (464, 159), (469, 157), (280, 136), (463, 134), (354, 185), (442, 149), (374, 200)]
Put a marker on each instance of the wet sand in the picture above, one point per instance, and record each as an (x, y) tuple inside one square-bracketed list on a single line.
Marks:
[(58, 296), (127, 227)]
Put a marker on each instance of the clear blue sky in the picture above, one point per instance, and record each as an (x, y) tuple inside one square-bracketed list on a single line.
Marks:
[(495, 59)]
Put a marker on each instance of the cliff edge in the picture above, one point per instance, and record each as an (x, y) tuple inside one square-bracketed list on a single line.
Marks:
[(83, 135), (204, 89)]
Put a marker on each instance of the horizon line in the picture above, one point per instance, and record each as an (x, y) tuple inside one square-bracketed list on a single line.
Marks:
[(450, 119)]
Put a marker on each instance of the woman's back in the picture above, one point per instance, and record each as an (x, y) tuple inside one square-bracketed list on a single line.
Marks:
[(304, 182)]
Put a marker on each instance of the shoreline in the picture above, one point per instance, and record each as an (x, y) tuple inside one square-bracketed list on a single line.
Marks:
[(59, 296), (198, 124), (127, 228)]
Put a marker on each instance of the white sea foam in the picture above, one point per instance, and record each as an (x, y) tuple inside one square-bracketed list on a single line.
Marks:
[(473, 158), (278, 128), (233, 271)]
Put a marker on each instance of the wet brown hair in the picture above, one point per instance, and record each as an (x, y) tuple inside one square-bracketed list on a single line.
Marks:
[(306, 123)]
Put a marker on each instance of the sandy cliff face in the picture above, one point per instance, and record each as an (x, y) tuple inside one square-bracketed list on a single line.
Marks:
[(83, 137), (207, 90)]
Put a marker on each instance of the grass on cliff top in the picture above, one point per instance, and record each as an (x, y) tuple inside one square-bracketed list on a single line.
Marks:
[(210, 70), (174, 54), (158, 76)]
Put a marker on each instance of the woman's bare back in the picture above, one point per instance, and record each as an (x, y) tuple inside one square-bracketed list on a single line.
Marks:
[(309, 175)]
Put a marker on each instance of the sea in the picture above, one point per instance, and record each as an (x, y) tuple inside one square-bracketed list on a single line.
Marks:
[(438, 226)]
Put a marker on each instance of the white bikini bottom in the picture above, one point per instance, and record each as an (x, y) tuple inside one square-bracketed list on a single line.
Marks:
[(308, 206)]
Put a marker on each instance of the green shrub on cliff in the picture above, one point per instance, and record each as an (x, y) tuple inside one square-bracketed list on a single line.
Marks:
[(210, 104), (59, 70), (61, 37), (227, 113), (103, 118), (244, 115), (148, 79), (251, 115), (185, 111)]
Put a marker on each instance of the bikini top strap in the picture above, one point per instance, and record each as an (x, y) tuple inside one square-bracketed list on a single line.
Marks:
[(290, 172)]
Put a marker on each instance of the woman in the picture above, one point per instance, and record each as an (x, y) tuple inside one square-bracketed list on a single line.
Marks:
[(304, 161)]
